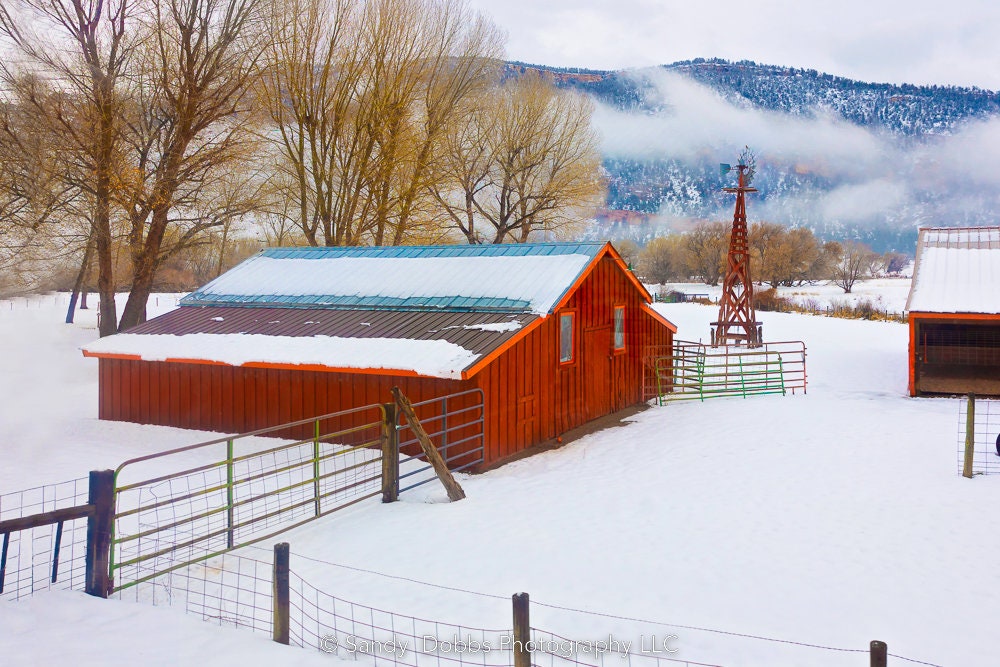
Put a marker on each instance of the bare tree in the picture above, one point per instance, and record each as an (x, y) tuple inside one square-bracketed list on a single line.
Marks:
[(853, 264), (663, 259), (313, 70), (189, 128), (456, 58), (92, 50), (531, 164), (893, 263), (706, 247), (362, 93), (37, 196), (786, 257)]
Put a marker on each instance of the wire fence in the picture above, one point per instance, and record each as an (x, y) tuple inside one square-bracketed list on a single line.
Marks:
[(230, 590), (46, 557), (40, 301), (552, 650), (985, 436), (380, 637), (237, 591), (243, 494)]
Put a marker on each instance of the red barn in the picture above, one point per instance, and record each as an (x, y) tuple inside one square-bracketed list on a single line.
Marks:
[(552, 333), (954, 312)]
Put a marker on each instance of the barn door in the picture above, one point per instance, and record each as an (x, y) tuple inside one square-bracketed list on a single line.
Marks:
[(597, 372)]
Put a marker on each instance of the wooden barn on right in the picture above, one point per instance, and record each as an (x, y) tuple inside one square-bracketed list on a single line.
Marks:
[(954, 312)]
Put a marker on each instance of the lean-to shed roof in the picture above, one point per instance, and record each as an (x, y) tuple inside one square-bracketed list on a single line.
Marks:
[(957, 270)]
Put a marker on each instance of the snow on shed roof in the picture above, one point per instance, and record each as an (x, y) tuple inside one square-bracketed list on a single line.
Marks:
[(528, 277), (433, 358), (957, 270), (445, 344)]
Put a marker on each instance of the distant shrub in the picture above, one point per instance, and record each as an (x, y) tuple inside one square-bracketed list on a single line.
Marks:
[(863, 309), (770, 300)]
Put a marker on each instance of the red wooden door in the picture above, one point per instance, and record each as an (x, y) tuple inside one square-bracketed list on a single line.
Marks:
[(597, 372)]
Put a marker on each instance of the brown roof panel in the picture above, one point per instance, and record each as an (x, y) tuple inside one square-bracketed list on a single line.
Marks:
[(465, 329)]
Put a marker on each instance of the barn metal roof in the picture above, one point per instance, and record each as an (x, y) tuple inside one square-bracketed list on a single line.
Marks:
[(479, 333), (957, 270), (510, 278)]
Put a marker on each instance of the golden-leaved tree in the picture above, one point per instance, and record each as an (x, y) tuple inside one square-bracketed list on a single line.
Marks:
[(526, 162), (362, 94)]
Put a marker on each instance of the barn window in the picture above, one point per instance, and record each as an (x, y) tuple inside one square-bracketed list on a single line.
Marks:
[(619, 328), (566, 338)]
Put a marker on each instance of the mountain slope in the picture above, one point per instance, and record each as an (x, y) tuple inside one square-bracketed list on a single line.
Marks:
[(908, 171)]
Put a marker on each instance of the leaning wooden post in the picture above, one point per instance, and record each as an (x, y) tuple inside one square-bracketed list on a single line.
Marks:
[(879, 654), (970, 436), (280, 594), (390, 455), (455, 491), (522, 631), (101, 497)]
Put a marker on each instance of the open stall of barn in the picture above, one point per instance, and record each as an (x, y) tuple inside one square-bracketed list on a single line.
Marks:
[(954, 312)]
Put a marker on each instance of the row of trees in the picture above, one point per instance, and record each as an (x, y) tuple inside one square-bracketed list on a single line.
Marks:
[(135, 131), (779, 256)]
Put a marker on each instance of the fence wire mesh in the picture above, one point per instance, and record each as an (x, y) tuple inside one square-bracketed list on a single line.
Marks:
[(230, 590), (552, 650), (46, 557), (985, 436), (378, 637), (245, 496)]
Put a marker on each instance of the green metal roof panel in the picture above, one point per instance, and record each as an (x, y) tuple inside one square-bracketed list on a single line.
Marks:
[(530, 277)]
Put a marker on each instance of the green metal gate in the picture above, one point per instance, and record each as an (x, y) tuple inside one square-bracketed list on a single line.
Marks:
[(239, 490), (694, 371)]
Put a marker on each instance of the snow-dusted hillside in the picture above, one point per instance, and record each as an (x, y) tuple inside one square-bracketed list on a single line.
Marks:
[(847, 159), (831, 518)]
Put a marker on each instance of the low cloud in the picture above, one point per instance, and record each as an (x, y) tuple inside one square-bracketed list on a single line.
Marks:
[(857, 176)]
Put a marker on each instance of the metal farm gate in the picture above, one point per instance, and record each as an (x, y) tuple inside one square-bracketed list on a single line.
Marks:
[(192, 503), (695, 371)]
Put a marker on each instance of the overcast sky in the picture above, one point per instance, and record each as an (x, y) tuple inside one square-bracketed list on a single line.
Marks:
[(895, 41)]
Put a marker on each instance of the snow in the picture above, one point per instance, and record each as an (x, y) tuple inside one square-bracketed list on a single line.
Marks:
[(497, 327), (72, 628), (956, 280), (831, 518), (532, 283), (886, 293), (433, 358)]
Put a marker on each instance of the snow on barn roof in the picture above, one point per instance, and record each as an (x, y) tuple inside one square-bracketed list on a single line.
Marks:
[(435, 344), (438, 311), (528, 277), (957, 270)]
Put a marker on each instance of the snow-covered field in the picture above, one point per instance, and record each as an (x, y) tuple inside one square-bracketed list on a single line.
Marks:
[(885, 293), (831, 518)]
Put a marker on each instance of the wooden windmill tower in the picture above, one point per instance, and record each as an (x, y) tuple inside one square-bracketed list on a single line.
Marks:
[(737, 323)]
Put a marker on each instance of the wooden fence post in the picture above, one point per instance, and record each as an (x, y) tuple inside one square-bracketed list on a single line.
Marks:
[(522, 631), (970, 436), (280, 594), (453, 488), (97, 581), (879, 654), (390, 455)]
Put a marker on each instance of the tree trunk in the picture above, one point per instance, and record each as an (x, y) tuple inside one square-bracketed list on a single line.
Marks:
[(222, 249), (144, 272), (146, 261), (80, 277), (105, 259)]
